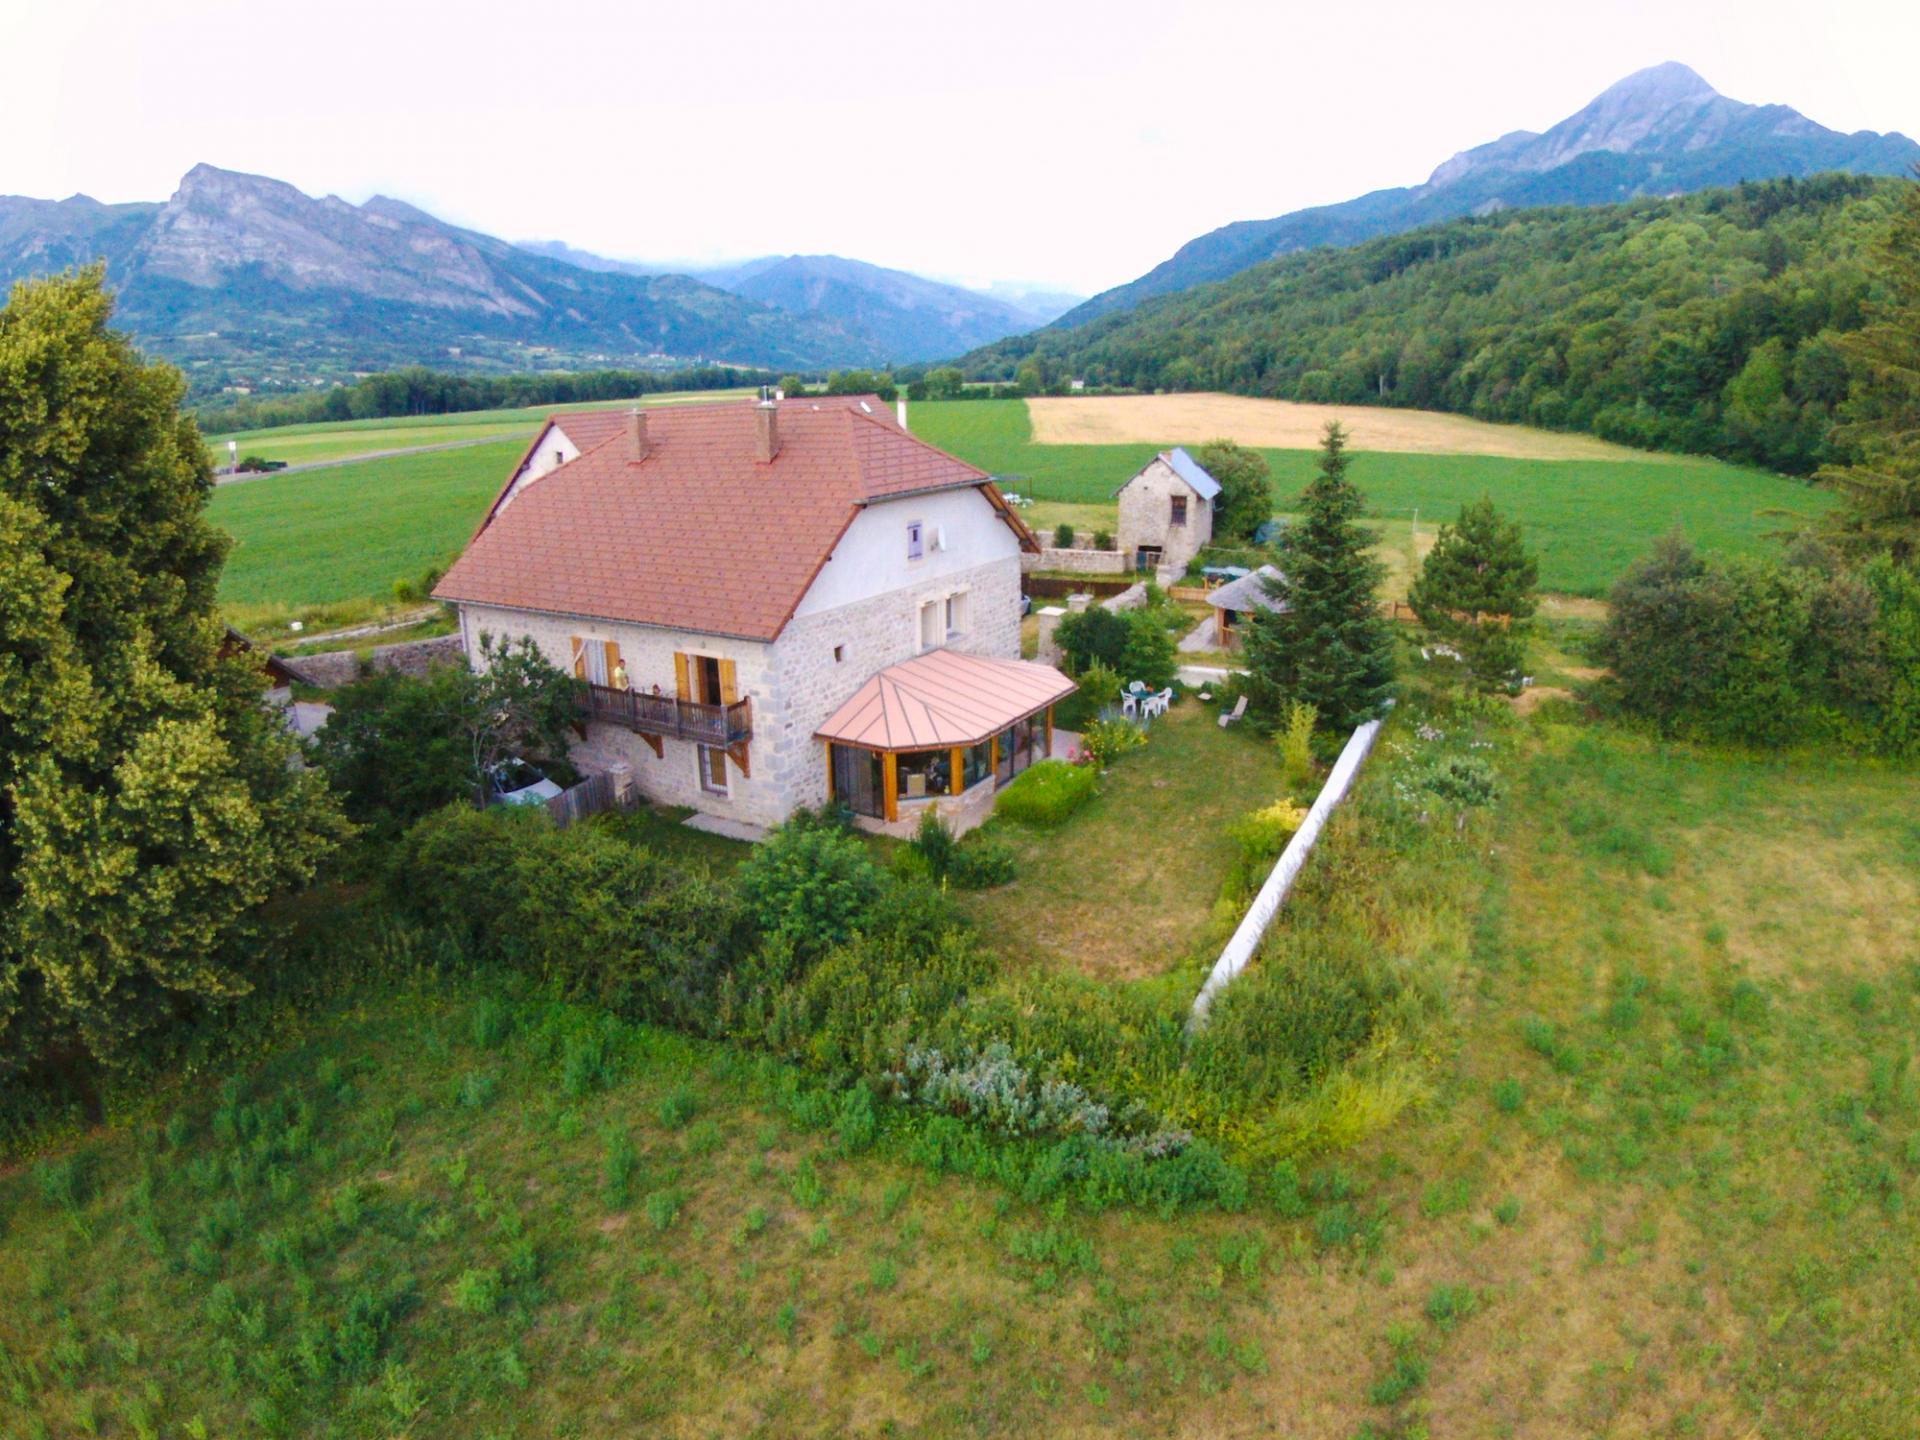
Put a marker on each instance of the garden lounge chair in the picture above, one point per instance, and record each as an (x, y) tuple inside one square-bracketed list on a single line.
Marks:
[(1239, 709)]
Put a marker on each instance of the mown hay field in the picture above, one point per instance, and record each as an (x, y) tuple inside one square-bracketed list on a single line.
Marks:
[(1294, 425)]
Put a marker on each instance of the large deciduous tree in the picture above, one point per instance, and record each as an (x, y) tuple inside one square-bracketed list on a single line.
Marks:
[(1246, 488), (1475, 592), (1879, 509), (1328, 644), (398, 747), (148, 801)]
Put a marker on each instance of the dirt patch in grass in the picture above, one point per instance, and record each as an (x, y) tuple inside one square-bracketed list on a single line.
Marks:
[(1291, 425)]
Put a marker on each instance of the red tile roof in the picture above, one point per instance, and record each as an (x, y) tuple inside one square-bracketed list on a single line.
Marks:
[(943, 699), (700, 535)]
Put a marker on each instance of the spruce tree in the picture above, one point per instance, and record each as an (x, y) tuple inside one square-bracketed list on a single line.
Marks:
[(148, 800), (1328, 645), (1879, 509), (1475, 592)]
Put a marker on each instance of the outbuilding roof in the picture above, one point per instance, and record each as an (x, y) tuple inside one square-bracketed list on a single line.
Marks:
[(943, 699), (1187, 468), (700, 534), (1191, 471), (1249, 592)]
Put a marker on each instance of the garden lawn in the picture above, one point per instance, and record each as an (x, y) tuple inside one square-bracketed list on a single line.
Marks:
[(1588, 519), (341, 439), (1126, 887), (348, 532)]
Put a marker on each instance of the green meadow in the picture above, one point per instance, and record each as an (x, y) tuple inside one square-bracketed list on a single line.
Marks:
[(336, 440), (1588, 519), (1664, 1180), (341, 536)]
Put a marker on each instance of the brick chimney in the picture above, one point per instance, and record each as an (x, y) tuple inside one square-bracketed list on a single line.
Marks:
[(766, 428), (637, 433)]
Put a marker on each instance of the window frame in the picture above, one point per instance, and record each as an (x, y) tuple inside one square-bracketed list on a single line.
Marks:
[(916, 540)]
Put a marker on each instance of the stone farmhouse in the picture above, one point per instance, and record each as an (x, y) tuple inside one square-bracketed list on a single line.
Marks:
[(1166, 513), (767, 605)]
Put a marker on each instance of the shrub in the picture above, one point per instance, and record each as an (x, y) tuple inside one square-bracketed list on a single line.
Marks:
[(1464, 780), (1763, 652), (581, 907), (1103, 540), (810, 885), (1262, 834), (1106, 740), (1095, 635), (1295, 740), (1063, 536), (1099, 686), (1148, 654), (984, 861), (1046, 793), (936, 844), (1291, 1019)]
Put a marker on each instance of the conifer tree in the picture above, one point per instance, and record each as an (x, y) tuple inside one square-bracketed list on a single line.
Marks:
[(1475, 592), (1879, 509), (148, 803), (1328, 645)]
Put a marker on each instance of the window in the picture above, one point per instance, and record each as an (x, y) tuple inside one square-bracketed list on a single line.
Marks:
[(559, 457), (956, 616), (930, 632), (916, 545), (713, 769), (1179, 516), (839, 654)]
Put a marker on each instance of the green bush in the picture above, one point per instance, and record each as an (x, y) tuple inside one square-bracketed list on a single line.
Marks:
[(580, 907), (1046, 793), (983, 862), (1767, 653), (809, 884), (1094, 636), (1063, 536)]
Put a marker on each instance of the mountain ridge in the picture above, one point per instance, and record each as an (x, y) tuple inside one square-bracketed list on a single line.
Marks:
[(1662, 130), (246, 279)]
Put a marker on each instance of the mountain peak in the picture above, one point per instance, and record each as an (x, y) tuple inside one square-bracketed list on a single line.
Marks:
[(1660, 87)]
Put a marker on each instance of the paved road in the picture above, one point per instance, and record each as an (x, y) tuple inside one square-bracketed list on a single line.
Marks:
[(220, 479)]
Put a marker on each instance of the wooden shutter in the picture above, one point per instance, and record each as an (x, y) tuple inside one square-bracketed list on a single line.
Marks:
[(682, 680), (729, 691), (579, 658), (613, 659)]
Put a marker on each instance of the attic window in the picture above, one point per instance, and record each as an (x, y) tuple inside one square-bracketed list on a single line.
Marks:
[(559, 457), (839, 654), (916, 545)]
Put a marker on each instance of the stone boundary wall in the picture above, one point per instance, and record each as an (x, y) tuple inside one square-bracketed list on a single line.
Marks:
[(1080, 562), (331, 669)]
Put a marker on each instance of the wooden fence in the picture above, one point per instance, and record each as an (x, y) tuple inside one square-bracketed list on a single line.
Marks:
[(591, 796)]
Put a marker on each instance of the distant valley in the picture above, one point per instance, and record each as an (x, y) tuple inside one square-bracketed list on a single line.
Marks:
[(244, 280)]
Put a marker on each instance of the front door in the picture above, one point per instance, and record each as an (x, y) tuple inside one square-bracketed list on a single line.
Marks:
[(1147, 557)]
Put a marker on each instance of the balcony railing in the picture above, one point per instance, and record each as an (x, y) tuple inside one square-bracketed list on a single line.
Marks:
[(721, 725)]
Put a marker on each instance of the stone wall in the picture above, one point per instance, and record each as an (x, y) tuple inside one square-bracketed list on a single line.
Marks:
[(331, 669), (1077, 560)]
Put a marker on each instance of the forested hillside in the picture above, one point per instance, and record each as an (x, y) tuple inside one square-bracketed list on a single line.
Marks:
[(1701, 323)]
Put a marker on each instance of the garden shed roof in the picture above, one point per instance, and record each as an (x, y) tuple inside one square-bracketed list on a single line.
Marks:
[(1249, 592)]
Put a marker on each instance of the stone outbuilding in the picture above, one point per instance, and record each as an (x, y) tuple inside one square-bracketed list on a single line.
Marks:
[(1166, 512)]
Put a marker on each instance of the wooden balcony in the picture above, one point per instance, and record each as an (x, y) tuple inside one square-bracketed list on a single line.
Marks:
[(724, 726)]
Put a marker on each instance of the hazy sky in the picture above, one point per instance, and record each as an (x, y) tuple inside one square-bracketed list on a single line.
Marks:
[(1071, 144)]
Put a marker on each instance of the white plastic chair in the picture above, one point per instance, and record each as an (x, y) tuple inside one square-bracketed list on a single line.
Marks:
[(1129, 703)]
